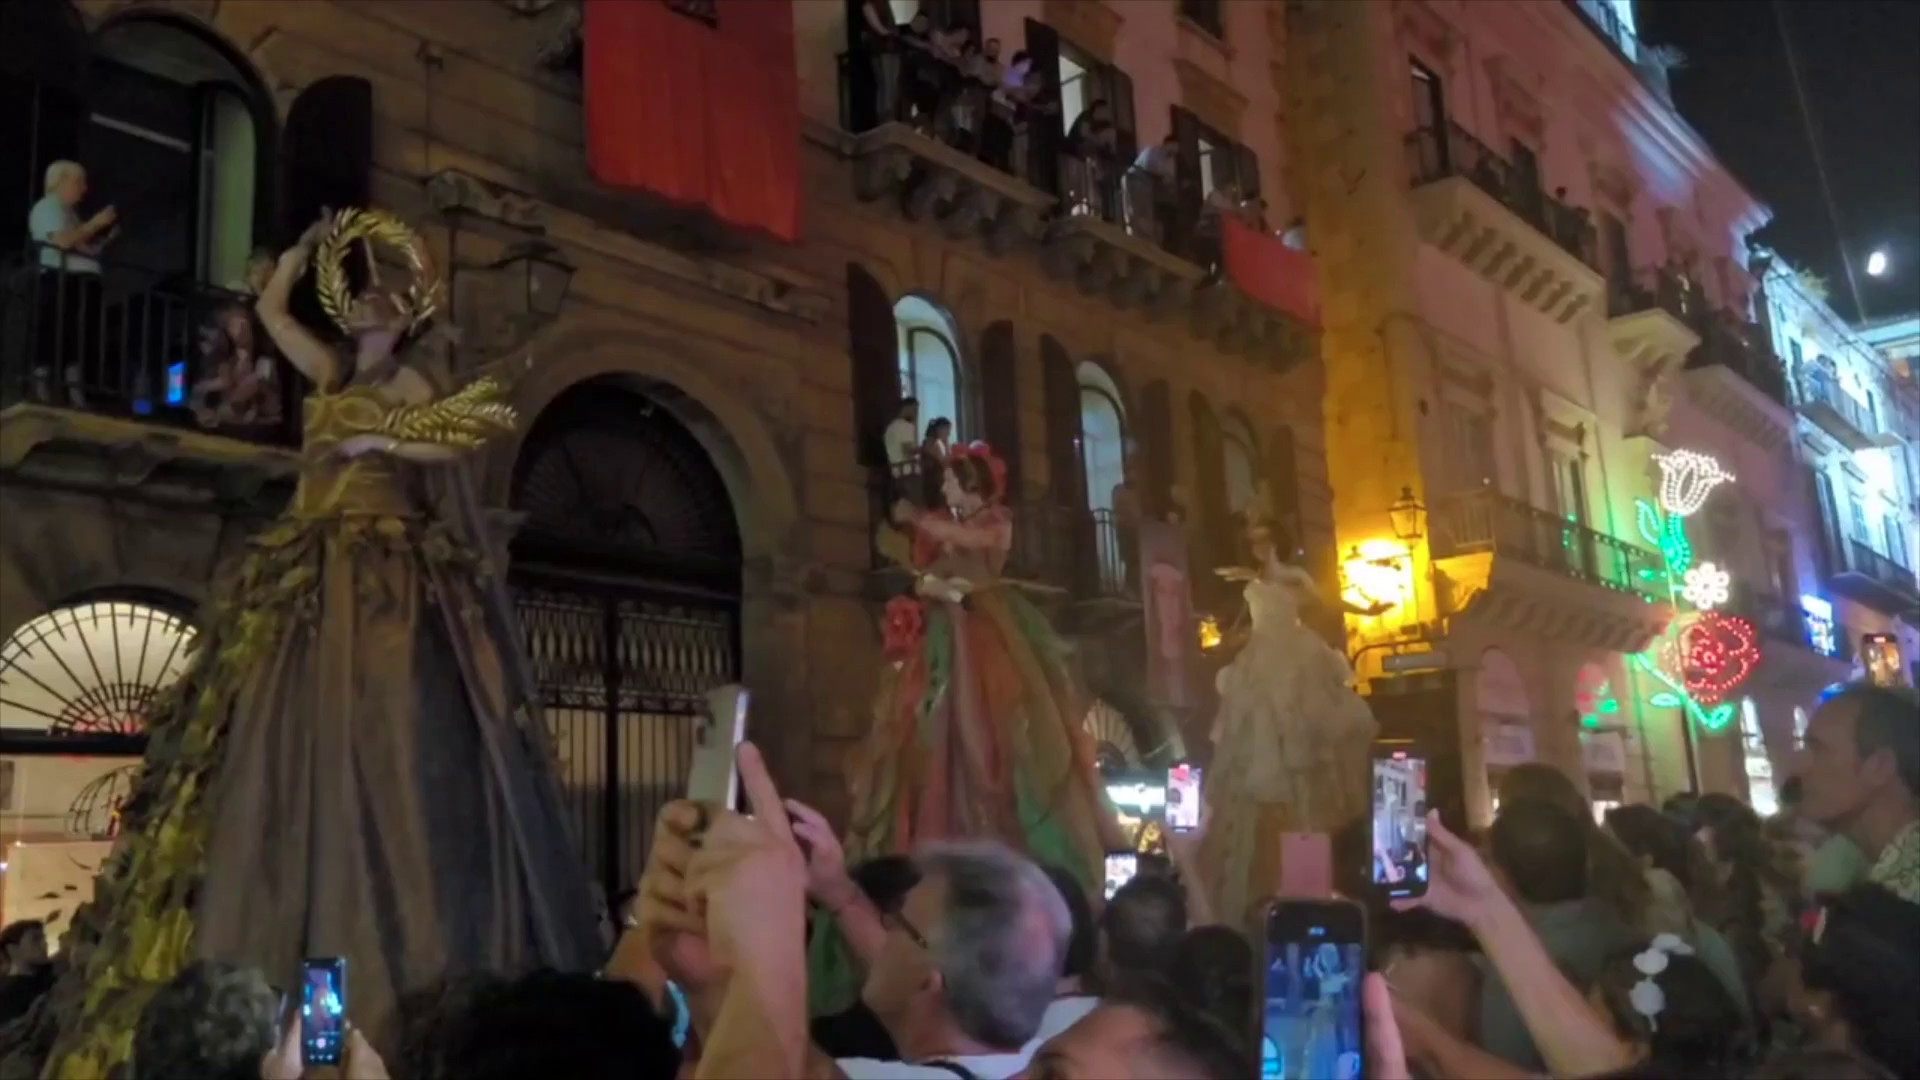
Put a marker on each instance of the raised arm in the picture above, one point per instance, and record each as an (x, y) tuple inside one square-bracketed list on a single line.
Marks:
[(992, 532), (306, 353)]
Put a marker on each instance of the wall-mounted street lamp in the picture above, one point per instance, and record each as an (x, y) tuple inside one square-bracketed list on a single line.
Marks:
[(1406, 514), (1209, 633), (537, 275)]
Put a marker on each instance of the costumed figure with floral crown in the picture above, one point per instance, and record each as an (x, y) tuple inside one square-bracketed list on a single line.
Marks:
[(1290, 739), (353, 764), (977, 729)]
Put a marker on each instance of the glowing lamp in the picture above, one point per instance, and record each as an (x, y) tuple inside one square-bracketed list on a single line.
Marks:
[(1378, 572), (1687, 477), (1405, 515), (1209, 632), (1877, 264)]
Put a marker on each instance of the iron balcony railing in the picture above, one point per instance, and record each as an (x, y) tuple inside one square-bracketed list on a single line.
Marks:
[(124, 341), (1864, 560), (1822, 397), (1652, 288), (1435, 155), (1487, 522), (1739, 347), (1085, 552)]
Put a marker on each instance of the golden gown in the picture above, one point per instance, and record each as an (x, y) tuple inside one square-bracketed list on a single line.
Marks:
[(351, 767)]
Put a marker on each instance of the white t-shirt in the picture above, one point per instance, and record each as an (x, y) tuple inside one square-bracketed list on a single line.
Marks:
[(50, 216), (903, 442), (1062, 1013), (984, 1066)]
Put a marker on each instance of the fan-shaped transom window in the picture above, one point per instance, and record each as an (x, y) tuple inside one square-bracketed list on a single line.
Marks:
[(1115, 748), (94, 667), (612, 472), (930, 363)]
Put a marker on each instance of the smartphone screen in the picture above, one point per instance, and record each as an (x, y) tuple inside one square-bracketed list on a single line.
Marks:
[(1183, 797), (1311, 1026), (323, 1010), (1400, 823), (714, 776), (1121, 867)]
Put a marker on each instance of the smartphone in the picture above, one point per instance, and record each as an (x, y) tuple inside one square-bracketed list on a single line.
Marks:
[(1183, 797), (1121, 867), (323, 1010), (714, 776), (1311, 1024), (1399, 854)]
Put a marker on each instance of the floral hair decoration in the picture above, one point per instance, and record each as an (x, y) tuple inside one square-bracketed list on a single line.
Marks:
[(1646, 997), (996, 468)]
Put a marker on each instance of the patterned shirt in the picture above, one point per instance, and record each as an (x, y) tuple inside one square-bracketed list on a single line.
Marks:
[(1898, 867)]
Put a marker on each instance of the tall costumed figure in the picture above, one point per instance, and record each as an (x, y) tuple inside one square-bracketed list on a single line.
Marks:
[(977, 730), (1290, 740), (353, 764)]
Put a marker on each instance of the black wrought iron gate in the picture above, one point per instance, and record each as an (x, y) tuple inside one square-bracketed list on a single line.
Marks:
[(623, 670)]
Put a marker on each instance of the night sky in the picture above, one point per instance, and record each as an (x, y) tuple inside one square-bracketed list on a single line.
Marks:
[(1858, 63)]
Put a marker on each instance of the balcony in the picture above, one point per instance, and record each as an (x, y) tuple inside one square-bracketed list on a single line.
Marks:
[(118, 379), (1531, 570), (1734, 375), (1835, 411), (1648, 327), (1113, 231), (1469, 202), (1862, 573)]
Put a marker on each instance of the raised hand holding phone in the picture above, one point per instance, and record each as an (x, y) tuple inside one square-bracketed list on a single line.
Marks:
[(714, 777)]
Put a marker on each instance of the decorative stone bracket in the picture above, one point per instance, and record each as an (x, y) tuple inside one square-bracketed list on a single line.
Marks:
[(936, 182)]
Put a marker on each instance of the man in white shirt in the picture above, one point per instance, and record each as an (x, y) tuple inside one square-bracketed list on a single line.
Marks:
[(68, 328), (902, 439), (968, 967)]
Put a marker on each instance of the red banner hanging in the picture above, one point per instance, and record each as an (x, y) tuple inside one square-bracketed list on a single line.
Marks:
[(703, 114), (1270, 271)]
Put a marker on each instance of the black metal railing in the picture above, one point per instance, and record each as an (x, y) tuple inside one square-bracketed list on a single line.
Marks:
[(1820, 391), (119, 340), (1739, 346), (1863, 559), (1488, 522), (1435, 155), (1655, 288)]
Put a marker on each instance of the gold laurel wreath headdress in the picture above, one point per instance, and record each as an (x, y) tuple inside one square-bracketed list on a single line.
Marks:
[(374, 228)]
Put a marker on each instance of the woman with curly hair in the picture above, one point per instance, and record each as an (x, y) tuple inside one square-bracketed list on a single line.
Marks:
[(1761, 895)]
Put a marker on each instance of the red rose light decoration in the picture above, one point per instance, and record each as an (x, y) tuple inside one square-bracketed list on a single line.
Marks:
[(1713, 655), (903, 628)]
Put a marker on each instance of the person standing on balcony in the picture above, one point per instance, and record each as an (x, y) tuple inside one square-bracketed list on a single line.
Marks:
[(1157, 170), (1089, 151), (69, 288), (354, 765), (902, 441), (1290, 739), (880, 37)]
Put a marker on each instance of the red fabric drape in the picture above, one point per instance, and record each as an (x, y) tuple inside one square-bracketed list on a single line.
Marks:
[(697, 114), (1269, 271)]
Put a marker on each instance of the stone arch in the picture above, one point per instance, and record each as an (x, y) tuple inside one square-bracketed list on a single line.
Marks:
[(684, 380)]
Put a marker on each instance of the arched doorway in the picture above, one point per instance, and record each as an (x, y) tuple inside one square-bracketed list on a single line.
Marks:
[(626, 571)]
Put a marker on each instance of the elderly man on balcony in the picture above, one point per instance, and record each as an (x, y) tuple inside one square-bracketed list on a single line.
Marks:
[(68, 327)]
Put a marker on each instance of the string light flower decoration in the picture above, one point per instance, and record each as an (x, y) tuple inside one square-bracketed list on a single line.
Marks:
[(1687, 477), (1707, 586), (1713, 654)]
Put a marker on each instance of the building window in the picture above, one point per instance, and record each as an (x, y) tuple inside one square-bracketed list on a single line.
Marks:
[(1613, 237), (1896, 539), (1206, 14), (92, 668), (1468, 444), (1570, 487), (1857, 516), (1238, 457), (929, 363), (1103, 436)]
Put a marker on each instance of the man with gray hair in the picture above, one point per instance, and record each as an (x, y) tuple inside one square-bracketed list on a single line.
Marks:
[(968, 967), (68, 295)]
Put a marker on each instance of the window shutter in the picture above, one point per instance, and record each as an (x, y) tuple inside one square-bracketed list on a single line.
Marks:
[(1247, 170), (1061, 400), (1211, 471), (326, 152), (857, 71), (962, 13), (1120, 94), (873, 345), (1046, 132), (1187, 197), (1283, 480), (1156, 444), (1000, 400)]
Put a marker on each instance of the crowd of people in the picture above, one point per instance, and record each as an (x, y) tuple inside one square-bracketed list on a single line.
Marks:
[(1692, 939)]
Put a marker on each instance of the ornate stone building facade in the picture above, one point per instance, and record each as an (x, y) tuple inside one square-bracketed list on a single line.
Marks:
[(691, 499)]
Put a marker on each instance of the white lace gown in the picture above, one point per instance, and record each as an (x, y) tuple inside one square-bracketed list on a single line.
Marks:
[(1291, 746)]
